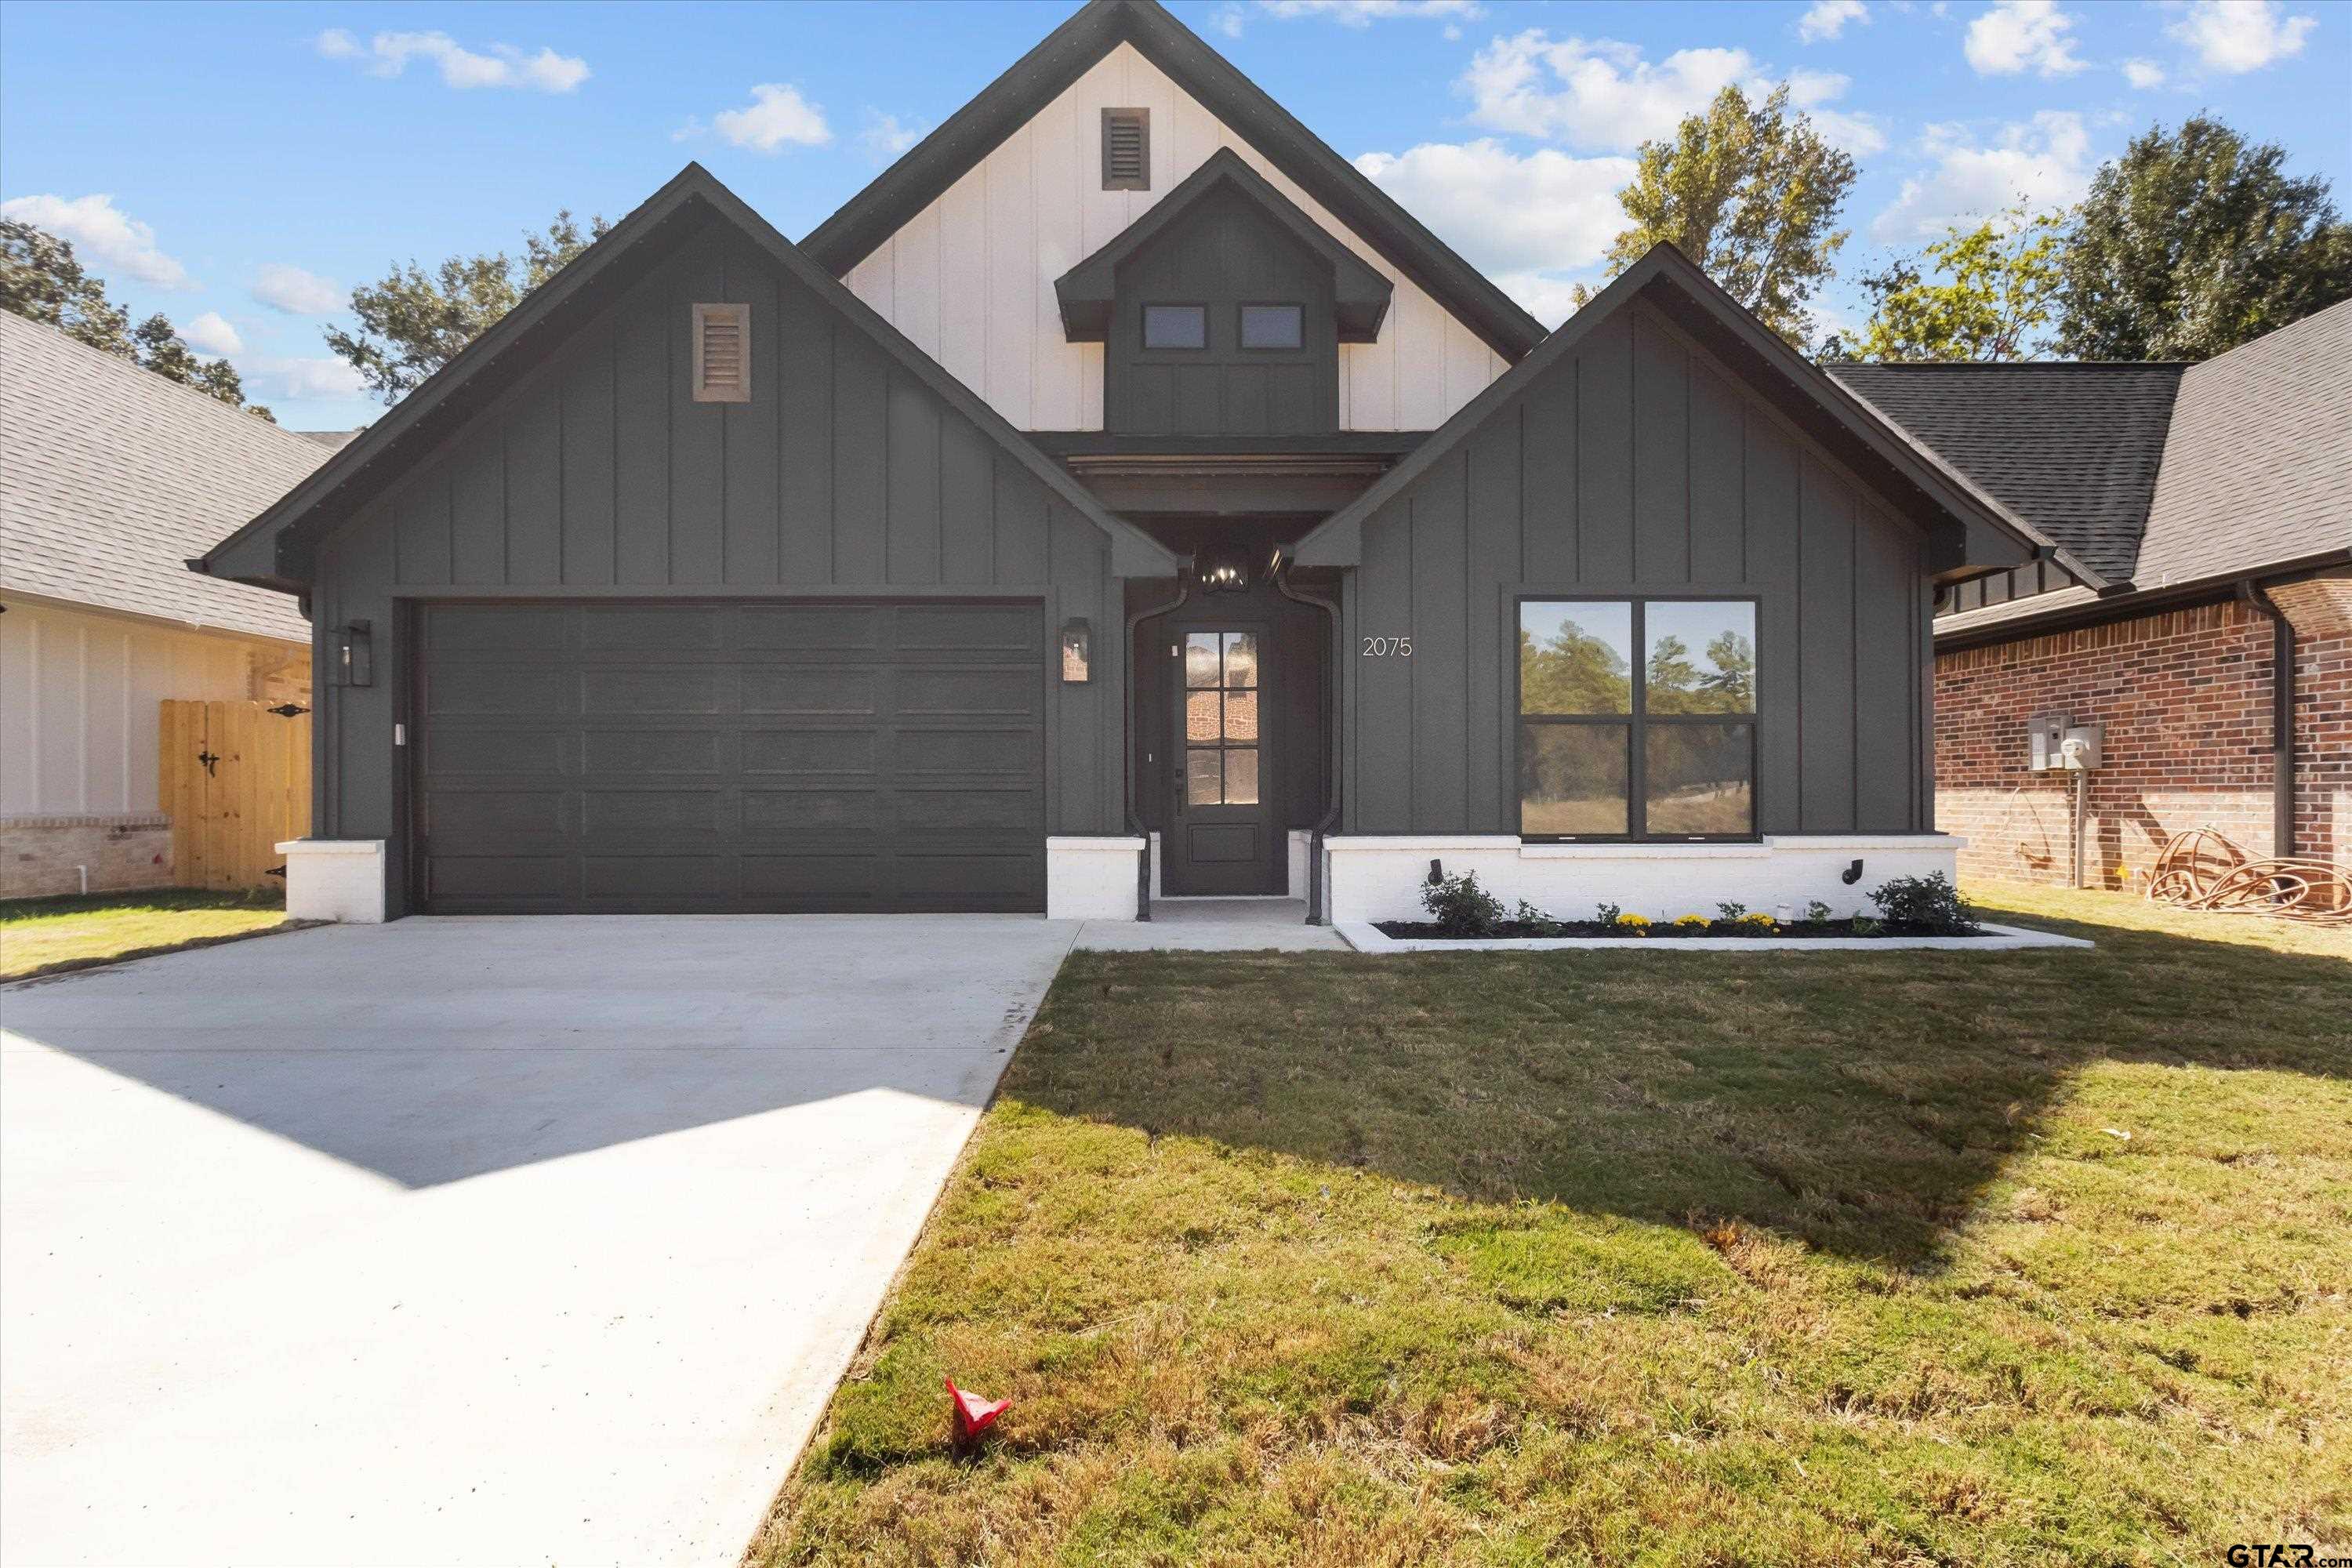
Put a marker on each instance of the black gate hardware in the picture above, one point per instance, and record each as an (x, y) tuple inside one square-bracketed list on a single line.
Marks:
[(290, 709), (207, 758)]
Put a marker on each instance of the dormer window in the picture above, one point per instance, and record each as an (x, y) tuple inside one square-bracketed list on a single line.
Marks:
[(1175, 326), (1272, 326)]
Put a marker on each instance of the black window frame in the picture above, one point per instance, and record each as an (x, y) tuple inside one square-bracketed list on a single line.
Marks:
[(1241, 336), (1143, 326), (1635, 719)]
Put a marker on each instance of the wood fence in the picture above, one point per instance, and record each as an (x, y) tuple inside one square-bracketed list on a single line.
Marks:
[(237, 783)]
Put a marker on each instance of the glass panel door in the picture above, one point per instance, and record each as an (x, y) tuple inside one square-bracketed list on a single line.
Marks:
[(1221, 730)]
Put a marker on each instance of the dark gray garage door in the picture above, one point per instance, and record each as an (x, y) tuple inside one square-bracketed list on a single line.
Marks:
[(648, 758)]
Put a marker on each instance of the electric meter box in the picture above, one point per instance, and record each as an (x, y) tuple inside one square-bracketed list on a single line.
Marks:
[(2079, 748), (2045, 735)]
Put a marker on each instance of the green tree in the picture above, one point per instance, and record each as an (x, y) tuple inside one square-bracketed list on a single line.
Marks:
[(1751, 193), (1983, 294), (2195, 241), (412, 321), (1572, 672), (41, 278)]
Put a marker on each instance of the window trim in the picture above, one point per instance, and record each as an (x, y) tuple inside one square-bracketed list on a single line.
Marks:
[(1241, 338), (1143, 326), (1635, 719)]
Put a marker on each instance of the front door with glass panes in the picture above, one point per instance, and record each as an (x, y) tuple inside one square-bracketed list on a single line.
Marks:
[(1225, 835)]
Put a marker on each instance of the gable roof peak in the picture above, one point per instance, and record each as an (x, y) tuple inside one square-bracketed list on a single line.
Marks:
[(966, 137)]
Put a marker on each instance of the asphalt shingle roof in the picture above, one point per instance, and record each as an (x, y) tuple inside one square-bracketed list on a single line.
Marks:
[(2258, 467), (111, 478), (2071, 448)]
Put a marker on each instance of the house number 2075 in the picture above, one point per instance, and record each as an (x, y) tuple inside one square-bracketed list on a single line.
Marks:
[(1388, 648)]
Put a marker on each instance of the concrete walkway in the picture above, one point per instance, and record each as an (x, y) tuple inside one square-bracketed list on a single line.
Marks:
[(483, 1241), (1214, 925)]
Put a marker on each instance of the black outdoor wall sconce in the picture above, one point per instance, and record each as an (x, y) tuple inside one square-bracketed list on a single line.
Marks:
[(1852, 874), (1078, 651), (355, 660), (1224, 578)]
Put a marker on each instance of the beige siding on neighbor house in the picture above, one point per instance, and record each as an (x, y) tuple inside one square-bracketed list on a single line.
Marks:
[(81, 702), (970, 278)]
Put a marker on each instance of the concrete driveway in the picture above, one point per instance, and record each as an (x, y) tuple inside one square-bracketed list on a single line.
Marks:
[(469, 1241)]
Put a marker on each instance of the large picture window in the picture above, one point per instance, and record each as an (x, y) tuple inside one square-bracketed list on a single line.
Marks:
[(1637, 719)]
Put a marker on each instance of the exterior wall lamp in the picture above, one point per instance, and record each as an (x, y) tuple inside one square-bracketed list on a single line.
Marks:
[(1224, 578), (1078, 651), (355, 654)]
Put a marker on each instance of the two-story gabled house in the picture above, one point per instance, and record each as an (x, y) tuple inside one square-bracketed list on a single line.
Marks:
[(1120, 498)]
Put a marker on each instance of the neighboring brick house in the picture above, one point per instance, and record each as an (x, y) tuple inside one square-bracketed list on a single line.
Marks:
[(110, 478), (2204, 520)]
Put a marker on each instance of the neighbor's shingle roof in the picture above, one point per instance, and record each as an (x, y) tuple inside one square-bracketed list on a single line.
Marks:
[(2071, 448), (111, 478), (2258, 468)]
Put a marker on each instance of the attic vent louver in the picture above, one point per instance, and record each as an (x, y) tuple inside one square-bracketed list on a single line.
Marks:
[(722, 353), (1127, 148)]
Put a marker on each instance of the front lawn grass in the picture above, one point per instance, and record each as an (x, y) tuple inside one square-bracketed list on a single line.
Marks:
[(43, 936), (1783, 1258)]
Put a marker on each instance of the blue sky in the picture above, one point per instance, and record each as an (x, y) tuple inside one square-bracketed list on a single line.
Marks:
[(241, 167)]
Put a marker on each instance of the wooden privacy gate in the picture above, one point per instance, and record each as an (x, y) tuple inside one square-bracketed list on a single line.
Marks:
[(237, 783)]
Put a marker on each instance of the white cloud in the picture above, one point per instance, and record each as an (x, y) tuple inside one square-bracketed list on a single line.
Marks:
[(2044, 162), (1229, 19), (103, 232), (1827, 19), (388, 54), (1592, 93), (776, 115), (2239, 35), (326, 380), (210, 333), (2022, 35), (1364, 12), (2143, 74), (1523, 220), (295, 291), (1813, 91), (886, 136)]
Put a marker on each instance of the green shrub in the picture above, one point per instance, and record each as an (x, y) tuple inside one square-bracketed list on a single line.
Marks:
[(1461, 908), (1729, 912), (1924, 906), (1539, 923), (1607, 913), (1817, 913)]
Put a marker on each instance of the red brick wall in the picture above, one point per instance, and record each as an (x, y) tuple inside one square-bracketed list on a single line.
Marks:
[(2185, 699)]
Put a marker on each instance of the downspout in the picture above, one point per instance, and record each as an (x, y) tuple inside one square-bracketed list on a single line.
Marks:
[(2282, 716), (1331, 732), (1135, 823)]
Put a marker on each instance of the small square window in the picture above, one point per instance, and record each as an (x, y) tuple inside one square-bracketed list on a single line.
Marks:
[(1272, 326), (1175, 326)]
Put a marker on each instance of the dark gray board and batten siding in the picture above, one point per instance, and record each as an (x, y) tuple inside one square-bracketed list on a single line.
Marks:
[(1221, 255), (597, 476), (1638, 465)]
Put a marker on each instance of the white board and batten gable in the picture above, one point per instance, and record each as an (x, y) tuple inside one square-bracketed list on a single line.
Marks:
[(969, 278)]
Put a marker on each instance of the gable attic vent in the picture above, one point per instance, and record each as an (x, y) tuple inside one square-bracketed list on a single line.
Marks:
[(722, 353), (1127, 148)]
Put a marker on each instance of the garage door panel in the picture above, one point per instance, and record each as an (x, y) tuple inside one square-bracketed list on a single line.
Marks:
[(653, 689), (625, 753), (1010, 752), (969, 628), (1010, 691), (815, 628), (809, 752), (500, 751), (812, 689), (645, 628), (503, 690), (729, 757), (772, 814)]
